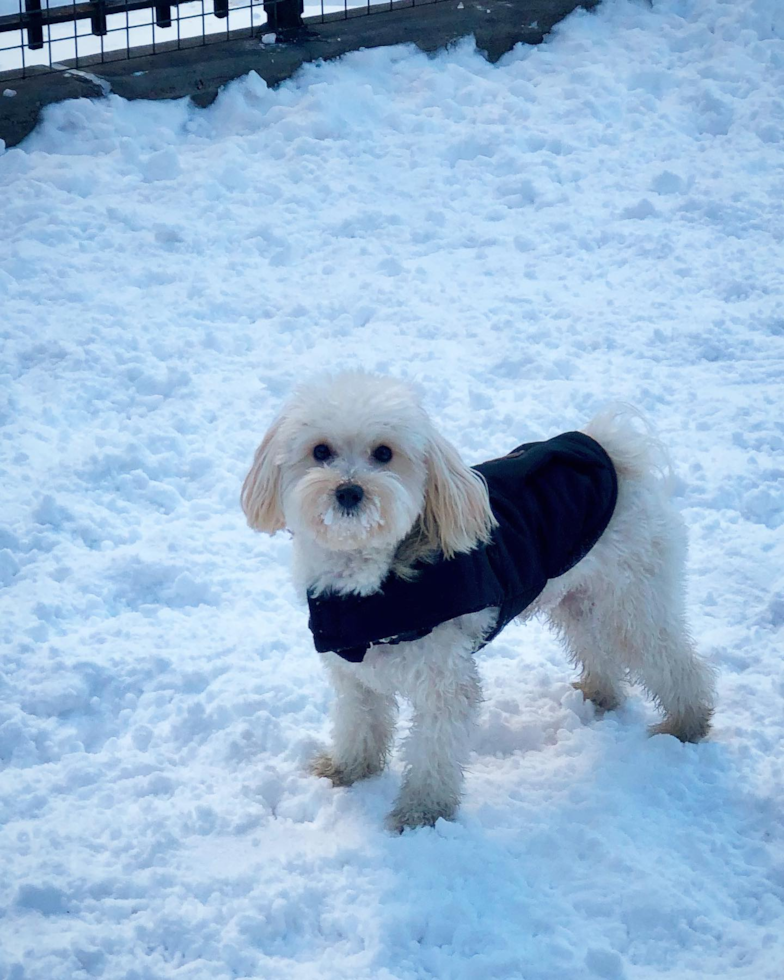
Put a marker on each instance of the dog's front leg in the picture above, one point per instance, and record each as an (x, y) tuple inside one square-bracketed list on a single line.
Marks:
[(445, 697), (363, 723)]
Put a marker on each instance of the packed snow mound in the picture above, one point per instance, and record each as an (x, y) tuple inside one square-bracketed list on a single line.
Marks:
[(598, 218)]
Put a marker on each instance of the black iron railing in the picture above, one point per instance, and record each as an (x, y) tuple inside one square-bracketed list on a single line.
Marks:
[(49, 35)]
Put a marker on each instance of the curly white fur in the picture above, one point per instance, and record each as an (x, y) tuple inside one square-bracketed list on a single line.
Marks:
[(620, 611)]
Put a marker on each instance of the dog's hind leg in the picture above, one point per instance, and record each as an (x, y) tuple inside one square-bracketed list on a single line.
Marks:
[(636, 571), (645, 624), (601, 677), (363, 724), (680, 682)]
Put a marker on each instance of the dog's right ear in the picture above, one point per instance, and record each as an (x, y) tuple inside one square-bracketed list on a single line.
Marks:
[(457, 515), (261, 489)]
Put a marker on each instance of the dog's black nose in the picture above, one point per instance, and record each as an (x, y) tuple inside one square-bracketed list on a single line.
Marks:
[(349, 495)]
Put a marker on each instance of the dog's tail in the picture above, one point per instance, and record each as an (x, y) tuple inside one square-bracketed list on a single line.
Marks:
[(631, 443)]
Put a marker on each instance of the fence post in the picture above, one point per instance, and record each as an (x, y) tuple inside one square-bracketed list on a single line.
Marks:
[(163, 15), (35, 24), (285, 15), (98, 18), (220, 8)]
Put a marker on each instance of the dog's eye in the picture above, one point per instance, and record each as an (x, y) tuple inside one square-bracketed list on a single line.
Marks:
[(382, 454), (322, 452)]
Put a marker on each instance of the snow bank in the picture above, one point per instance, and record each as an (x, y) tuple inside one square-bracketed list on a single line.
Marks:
[(600, 217)]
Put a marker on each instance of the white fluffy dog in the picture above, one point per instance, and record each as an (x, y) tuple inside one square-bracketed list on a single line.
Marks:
[(354, 468)]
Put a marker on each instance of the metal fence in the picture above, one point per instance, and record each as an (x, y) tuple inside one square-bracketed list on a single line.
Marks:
[(39, 36)]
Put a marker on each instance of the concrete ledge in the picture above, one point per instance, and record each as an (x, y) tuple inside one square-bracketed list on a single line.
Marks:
[(200, 71)]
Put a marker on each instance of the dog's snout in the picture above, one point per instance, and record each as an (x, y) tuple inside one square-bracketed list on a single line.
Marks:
[(349, 495)]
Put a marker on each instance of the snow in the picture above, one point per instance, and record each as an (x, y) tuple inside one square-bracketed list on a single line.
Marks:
[(597, 218)]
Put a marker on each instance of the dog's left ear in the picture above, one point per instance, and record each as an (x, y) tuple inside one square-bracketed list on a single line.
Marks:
[(261, 489), (457, 515)]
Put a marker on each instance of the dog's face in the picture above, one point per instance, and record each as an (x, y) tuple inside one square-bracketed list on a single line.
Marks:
[(352, 469), (353, 463)]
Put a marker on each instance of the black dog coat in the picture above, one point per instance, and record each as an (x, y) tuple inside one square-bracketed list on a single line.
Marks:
[(552, 500)]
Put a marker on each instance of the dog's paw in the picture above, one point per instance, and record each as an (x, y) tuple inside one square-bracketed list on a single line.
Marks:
[(409, 816), (691, 729), (601, 700), (325, 766)]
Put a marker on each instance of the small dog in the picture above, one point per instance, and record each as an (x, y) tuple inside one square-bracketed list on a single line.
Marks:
[(409, 564)]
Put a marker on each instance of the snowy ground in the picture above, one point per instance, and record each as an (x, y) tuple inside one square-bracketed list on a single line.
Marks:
[(596, 218)]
